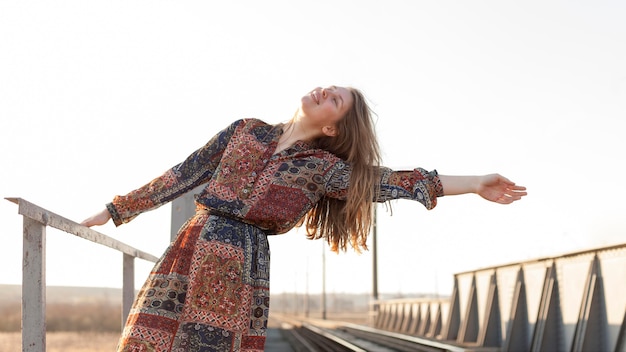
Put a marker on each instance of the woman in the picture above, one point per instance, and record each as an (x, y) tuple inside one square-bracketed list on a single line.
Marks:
[(210, 290)]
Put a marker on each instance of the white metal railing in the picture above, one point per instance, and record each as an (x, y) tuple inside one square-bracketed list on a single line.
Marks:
[(36, 219)]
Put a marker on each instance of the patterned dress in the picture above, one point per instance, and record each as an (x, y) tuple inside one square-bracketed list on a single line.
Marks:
[(210, 289)]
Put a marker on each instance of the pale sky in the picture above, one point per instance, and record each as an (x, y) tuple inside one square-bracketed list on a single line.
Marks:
[(99, 97)]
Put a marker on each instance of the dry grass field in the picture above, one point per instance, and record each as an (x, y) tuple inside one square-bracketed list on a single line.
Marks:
[(106, 341), (80, 319), (64, 342)]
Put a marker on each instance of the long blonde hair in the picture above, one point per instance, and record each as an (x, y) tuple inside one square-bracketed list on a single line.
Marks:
[(349, 221)]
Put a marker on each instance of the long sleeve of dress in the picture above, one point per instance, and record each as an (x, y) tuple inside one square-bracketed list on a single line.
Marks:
[(193, 171), (418, 184)]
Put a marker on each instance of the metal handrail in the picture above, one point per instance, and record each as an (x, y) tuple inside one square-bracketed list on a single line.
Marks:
[(546, 259), (36, 219)]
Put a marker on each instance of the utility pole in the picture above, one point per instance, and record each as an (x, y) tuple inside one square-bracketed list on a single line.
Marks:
[(375, 262), (306, 296), (324, 280)]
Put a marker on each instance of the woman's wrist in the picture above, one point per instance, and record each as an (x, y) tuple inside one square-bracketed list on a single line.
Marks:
[(475, 184)]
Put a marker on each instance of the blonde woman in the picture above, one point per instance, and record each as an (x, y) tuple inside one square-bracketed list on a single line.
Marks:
[(210, 289)]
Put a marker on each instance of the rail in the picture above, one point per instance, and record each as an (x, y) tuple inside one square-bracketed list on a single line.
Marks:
[(573, 302), (35, 221), (319, 335)]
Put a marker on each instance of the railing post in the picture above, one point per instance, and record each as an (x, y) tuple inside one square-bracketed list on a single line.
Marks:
[(128, 286), (34, 286)]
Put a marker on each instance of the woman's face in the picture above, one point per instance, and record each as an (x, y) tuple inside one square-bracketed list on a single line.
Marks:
[(325, 106)]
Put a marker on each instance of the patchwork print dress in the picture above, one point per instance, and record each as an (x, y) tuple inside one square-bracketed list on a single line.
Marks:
[(210, 289)]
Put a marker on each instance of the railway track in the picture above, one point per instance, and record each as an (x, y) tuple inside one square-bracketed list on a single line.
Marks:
[(321, 335)]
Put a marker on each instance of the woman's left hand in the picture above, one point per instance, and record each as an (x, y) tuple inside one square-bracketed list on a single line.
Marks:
[(499, 189)]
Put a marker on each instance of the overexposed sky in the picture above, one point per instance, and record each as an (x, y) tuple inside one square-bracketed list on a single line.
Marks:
[(98, 98)]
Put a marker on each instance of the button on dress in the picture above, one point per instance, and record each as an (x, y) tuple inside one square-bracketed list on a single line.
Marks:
[(210, 289)]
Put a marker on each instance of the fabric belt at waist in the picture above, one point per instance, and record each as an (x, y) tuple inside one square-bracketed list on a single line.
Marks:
[(201, 209)]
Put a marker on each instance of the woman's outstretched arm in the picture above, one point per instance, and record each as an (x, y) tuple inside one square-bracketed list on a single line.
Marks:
[(493, 187)]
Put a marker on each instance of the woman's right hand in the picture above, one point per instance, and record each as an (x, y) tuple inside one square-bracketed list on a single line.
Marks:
[(100, 218)]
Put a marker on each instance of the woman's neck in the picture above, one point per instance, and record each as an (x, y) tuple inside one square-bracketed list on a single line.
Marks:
[(294, 131)]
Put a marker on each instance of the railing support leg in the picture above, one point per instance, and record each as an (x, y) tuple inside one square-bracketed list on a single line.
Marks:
[(128, 286), (34, 286)]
